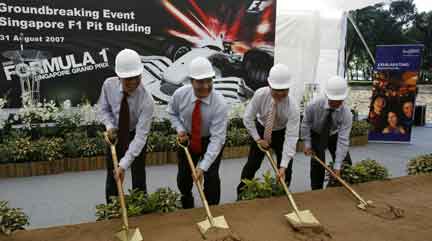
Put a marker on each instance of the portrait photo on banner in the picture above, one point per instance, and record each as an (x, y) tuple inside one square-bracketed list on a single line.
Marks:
[(391, 114)]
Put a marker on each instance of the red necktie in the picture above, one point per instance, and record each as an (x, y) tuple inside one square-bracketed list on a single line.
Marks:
[(123, 132), (196, 128)]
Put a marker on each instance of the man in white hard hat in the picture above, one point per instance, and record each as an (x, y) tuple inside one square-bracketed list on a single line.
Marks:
[(200, 116), (272, 118), (327, 124), (126, 110)]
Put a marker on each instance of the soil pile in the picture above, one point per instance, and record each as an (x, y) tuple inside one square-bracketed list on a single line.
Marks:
[(263, 220)]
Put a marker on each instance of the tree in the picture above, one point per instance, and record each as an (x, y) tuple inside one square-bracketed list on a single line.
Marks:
[(379, 25), (404, 12), (423, 34)]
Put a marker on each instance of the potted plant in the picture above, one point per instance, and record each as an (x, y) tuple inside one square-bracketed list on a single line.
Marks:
[(420, 165), (11, 219), (256, 188), (237, 143), (359, 133), (365, 171), (138, 203)]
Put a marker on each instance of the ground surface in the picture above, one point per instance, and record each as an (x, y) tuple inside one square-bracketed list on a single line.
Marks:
[(262, 220)]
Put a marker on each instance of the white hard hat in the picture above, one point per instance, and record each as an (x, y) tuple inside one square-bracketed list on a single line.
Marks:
[(128, 64), (279, 77), (336, 88), (201, 68)]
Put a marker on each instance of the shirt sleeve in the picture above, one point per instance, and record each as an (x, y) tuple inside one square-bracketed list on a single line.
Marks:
[(142, 130), (174, 113), (306, 126), (105, 111), (344, 131), (250, 116), (291, 135), (218, 129)]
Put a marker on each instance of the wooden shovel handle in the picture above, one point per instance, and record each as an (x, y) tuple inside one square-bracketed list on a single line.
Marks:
[(118, 182), (345, 184), (197, 182), (281, 181)]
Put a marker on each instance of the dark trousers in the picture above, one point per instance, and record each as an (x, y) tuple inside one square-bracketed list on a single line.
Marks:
[(137, 169), (317, 172), (211, 177), (256, 157)]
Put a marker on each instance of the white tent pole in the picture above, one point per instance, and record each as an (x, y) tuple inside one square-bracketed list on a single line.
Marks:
[(341, 51), (361, 38)]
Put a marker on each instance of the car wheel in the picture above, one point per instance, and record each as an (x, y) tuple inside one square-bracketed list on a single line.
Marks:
[(256, 67), (225, 67), (174, 50)]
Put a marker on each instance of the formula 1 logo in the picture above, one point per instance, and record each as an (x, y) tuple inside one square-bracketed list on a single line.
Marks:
[(258, 6)]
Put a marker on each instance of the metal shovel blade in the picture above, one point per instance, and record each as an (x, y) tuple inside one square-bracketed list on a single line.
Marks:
[(363, 206), (219, 222), (308, 220), (129, 235)]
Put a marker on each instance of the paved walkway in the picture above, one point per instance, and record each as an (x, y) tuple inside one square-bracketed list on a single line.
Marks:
[(70, 198)]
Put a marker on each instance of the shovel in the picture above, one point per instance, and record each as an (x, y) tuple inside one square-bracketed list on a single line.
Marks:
[(125, 234), (210, 222), (298, 219), (363, 204)]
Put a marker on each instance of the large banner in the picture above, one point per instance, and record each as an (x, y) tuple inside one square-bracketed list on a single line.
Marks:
[(394, 92), (58, 50)]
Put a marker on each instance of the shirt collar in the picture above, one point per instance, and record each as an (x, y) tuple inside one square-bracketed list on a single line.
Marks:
[(205, 100)]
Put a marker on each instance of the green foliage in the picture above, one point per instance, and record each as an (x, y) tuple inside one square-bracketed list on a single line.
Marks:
[(138, 203), (11, 219), (68, 139), (359, 128), (420, 165), (238, 137), (164, 200), (255, 188), (19, 148), (72, 143), (79, 144), (365, 171), (48, 149), (160, 142), (68, 123), (3, 153), (421, 31), (92, 146), (235, 123), (163, 125)]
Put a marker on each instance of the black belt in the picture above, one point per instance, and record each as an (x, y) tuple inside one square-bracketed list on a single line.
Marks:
[(318, 134)]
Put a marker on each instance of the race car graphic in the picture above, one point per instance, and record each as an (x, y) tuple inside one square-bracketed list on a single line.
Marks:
[(242, 59), (237, 76)]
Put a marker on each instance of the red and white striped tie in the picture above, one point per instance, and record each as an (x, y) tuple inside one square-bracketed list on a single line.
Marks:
[(268, 129)]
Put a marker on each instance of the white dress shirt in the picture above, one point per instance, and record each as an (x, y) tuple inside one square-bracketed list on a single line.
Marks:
[(314, 118), (141, 109), (287, 116), (214, 119)]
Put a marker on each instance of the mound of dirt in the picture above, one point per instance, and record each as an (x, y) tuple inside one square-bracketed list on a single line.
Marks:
[(263, 220), (217, 234)]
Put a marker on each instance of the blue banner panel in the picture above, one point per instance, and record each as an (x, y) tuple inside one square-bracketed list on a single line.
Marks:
[(391, 114)]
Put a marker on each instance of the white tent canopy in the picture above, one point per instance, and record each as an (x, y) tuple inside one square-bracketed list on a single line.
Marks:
[(310, 38), (326, 5)]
